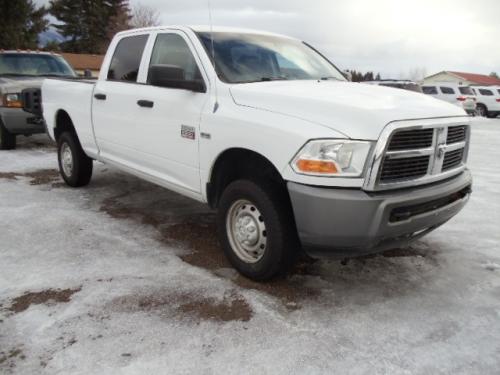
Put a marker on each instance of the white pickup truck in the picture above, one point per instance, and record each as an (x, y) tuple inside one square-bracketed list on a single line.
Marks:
[(268, 131)]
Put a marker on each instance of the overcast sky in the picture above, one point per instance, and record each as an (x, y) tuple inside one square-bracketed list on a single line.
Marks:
[(393, 37)]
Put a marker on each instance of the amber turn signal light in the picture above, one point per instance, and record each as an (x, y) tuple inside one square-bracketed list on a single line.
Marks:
[(316, 166)]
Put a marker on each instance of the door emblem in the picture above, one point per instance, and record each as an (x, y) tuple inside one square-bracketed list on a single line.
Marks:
[(188, 132)]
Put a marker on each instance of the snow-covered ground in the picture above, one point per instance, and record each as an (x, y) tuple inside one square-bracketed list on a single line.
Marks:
[(123, 277)]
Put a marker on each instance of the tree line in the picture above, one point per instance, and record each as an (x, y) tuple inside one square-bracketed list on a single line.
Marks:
[(362, 77), (87, 26)]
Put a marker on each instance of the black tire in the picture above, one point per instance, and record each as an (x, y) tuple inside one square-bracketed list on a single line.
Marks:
[(482, 111), (281, 238), (7, 139), (81, 170)]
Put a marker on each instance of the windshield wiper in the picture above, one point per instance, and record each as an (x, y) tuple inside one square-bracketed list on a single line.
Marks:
[(267, 79), (328, 78), (15, 75)]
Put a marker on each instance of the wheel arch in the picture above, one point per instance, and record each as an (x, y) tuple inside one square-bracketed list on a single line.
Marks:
[(235, 163), (62, 123)]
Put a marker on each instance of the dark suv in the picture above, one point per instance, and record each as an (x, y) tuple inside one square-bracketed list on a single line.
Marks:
[(21, 70)]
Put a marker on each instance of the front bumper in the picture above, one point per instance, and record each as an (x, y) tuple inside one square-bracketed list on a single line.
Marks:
[(18, 121), (348, 222)]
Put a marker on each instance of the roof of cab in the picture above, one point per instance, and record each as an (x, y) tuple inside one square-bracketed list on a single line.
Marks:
[(204, 28)]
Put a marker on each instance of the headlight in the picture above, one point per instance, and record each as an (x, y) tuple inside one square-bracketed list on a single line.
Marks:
[(332, 157), (11, 101)]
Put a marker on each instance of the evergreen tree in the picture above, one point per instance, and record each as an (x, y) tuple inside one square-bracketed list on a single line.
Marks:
[(21, 23), (89, 25)]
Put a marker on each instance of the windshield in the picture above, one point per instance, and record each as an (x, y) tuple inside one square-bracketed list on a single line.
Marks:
[(243, 58), (466, 91), (23, 64)]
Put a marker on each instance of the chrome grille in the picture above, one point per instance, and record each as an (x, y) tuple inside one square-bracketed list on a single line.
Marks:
[(411, 153)]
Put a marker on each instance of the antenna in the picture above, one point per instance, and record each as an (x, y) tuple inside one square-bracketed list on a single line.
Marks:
[(216, 105)]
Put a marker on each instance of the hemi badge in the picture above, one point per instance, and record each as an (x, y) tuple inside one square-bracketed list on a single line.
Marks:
[(188, 132)]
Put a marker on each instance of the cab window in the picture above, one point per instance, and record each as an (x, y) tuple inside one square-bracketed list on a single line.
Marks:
[(172, 49), (127, 59)]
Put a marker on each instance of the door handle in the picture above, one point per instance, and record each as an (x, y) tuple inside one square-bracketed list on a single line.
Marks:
[(100, 96), (145, 103)]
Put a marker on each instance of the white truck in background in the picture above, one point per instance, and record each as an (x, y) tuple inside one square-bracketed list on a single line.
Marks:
[(268, 131)]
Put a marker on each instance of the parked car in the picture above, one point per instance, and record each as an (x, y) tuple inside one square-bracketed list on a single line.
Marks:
[(453, 93), (488, 100), (20, 70), (291, 154), (397, 84)]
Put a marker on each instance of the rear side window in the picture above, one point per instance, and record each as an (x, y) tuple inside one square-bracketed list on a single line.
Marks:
[(172, 49), (465, 91), (498, 92), (486, 92), (447, 90), (430, 90), (127, 59)]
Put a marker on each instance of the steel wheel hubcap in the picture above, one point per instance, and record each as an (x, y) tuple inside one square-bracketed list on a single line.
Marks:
[(246, 231), (67, 160)]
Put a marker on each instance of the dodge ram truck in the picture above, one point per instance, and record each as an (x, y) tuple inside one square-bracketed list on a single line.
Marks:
[(266, 130), (20, 70)]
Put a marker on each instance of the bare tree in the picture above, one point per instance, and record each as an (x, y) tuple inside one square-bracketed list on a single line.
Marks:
[(144, 16)]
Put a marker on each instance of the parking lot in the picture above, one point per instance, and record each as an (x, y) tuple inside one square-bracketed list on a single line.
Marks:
[(126, 277)]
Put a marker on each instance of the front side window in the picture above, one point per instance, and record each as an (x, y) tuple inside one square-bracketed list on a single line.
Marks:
[(430, 90), (486, 92), (25, 64), (127, 59), (172, 50), (447, 90), (465, 91), (245, 58)]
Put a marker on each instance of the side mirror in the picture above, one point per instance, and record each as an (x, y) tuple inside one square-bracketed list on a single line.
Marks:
[(172, 76), (87, 73)]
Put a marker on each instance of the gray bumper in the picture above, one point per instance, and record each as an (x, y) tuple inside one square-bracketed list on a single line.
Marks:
[(17, 121), (347, 222)]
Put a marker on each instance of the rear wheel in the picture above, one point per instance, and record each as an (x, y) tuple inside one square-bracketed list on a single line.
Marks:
[(74, 165), (7, 139), (482, 110), (256, 229)]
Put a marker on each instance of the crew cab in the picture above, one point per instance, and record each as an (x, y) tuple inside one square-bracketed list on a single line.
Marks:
[(266, 130), (20, 70)]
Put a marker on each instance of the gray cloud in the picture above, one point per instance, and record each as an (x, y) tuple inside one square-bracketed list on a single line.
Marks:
[(390, 36)]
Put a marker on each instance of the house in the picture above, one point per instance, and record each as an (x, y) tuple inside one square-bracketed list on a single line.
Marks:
[(81, 62), (467, 79)]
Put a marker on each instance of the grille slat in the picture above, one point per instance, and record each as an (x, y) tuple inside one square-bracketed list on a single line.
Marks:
[(400, 169), (411, 139), (453, 159), (456, 134)]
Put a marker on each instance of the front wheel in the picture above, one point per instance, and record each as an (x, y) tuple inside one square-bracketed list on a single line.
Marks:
[(256, 229), (74, 165), (7, 139)]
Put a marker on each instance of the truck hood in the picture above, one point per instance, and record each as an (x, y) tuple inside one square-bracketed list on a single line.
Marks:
[(10, 85), (359, 111)]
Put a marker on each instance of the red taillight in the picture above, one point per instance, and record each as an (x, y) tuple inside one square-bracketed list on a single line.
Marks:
[(498, 100), (461, 99)]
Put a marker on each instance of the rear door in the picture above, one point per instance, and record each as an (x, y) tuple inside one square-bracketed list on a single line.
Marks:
[(116, 117)]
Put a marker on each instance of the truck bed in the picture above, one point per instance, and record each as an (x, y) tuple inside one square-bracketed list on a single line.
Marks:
[(71, 96)]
